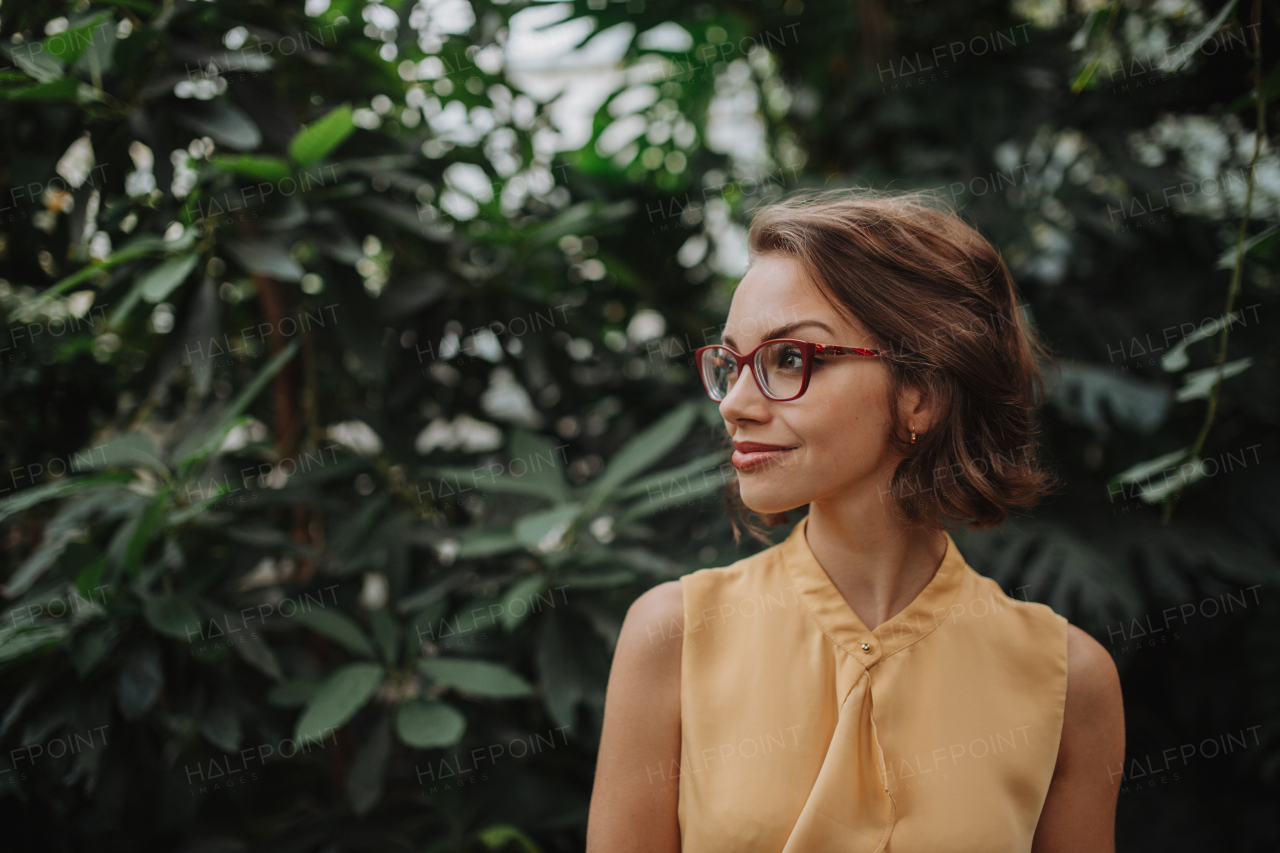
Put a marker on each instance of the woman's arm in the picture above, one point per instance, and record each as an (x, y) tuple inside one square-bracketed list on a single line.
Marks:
[(633, 801), (1079, 812)]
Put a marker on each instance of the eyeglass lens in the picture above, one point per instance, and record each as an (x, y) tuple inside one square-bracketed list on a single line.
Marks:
[(779, 369)]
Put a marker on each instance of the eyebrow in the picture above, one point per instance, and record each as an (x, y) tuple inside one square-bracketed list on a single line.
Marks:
[(783, 331)]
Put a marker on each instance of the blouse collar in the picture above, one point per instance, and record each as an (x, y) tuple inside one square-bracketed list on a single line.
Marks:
[(839, 621)]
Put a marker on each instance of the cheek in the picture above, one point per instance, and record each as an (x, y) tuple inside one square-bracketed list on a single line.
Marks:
[(852, 418)]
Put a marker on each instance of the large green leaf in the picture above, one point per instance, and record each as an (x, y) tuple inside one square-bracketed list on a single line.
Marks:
[(429, 723), (535, 463), (339, 627), (28, 498), (131, 449), (337, 700), (542, 529), (642, 451), (520, 600), (16, 643), (265, 257), (206, 441), (708, 467), (488, 543), (321, 136), (158, 283), (253, 166), (476, 677)]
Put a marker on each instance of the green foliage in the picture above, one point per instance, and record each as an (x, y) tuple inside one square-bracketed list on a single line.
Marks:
[(342, 419)]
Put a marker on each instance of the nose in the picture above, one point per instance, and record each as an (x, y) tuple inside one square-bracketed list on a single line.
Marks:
[(744, 401)]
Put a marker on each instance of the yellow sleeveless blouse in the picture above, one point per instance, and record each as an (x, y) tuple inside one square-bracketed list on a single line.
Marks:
[(804, 732)]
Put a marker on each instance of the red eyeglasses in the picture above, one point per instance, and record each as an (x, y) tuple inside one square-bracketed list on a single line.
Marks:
[(781, 367)]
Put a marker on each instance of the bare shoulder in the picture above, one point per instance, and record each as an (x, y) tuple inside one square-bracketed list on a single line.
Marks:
[(655, 622), (634, 800), (1093, 719), (1093, 684), (1079, 811)]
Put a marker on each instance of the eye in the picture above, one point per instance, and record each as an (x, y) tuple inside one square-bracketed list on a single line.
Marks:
[(790, 358)]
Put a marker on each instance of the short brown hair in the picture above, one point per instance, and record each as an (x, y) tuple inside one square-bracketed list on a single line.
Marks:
[(938, 298)]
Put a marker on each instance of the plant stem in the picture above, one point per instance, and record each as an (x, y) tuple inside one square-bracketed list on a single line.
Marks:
[(1234, 289)]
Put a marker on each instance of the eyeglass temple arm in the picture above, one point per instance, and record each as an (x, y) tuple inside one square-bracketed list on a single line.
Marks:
[(826, 349)]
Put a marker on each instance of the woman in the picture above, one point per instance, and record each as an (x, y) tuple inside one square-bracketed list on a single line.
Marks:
[(858, 687)]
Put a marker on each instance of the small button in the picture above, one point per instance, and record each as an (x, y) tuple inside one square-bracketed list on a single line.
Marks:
[(866, 647)]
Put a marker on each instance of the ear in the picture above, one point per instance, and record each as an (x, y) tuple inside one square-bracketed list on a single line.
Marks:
[(917, 409)]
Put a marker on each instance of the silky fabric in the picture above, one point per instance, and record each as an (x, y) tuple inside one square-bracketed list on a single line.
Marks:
[(804, 732)]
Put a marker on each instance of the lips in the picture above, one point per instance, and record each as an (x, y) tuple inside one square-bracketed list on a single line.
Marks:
[(752, 455)]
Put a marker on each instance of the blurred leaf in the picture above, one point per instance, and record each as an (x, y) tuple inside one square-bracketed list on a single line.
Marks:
[(1087, 394), (220, 632), (488, 543), (138, 247), (429, 723), (293, 694), (265, 257), (28, 498), (157, 284), (54, 91), (127, 450), (90, 647), (67, 46), (386, 632), (518, 601), (204, 442), (37, 564), (20, 642), (642, 451), (476, 677), (1198, 384), (353, 532), (140, 681), (320, 137), (500, 836), (337, 700), (254, 166), (537, 530), (39, 64), (1260, 244), (339, 627), (604, 580), (368, 774), (685, 475), (220, 726), (560, 680), (142, 530), (227, 124), (173, 616), (542, 465), (1191, 47)]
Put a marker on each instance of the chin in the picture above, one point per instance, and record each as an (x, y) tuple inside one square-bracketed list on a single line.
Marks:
[(764, 499)]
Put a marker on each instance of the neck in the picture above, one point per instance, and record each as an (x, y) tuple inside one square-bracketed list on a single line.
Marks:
[(878, 563)]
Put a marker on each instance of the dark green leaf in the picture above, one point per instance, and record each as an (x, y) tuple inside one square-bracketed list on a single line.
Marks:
[(140, 681), (476, 677), (173, 616), (339, 627), (368, 774), (320, 137), (429, 723), (386, 632), (337, 700)]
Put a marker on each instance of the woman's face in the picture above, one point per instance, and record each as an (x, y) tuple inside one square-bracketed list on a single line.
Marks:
[(831, 441)]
